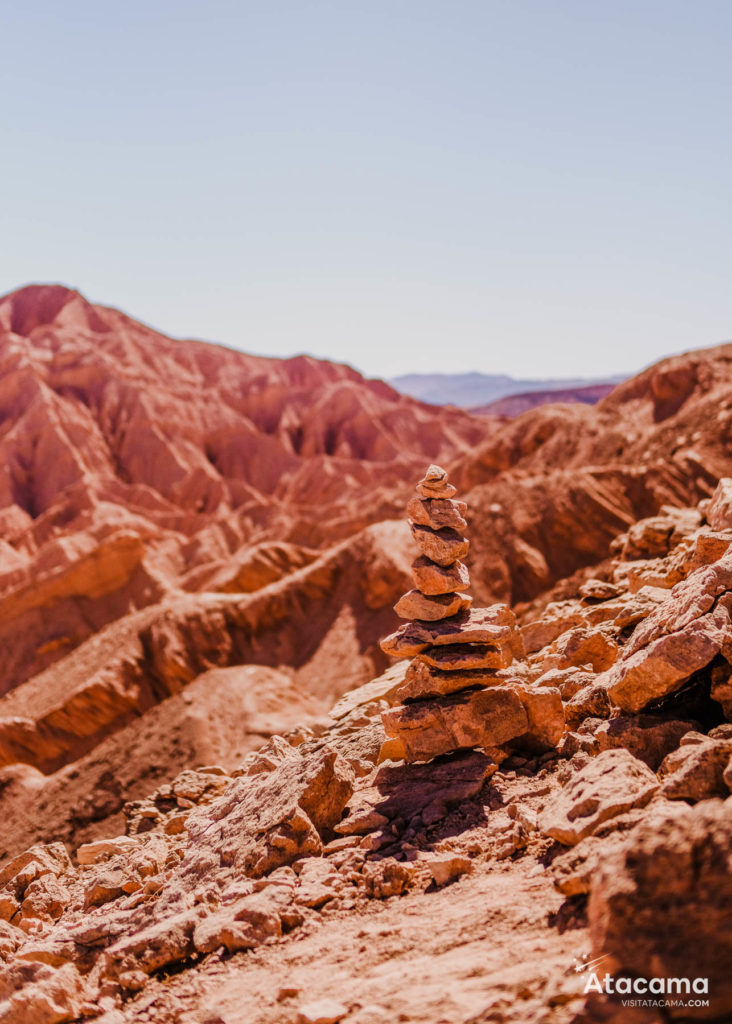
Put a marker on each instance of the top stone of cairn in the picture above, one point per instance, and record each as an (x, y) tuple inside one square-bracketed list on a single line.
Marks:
[(434, 484)]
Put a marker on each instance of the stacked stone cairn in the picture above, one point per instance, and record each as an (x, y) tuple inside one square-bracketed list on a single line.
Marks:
[(459, 691)]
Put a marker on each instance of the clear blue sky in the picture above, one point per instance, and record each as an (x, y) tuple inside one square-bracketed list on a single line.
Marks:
[(538, 187)]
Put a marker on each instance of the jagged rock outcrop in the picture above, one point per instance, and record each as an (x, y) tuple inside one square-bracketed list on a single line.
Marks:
[(612, 783), (680, 637)]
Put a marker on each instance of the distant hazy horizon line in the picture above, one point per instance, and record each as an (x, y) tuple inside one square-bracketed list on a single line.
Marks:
[(389, 378)]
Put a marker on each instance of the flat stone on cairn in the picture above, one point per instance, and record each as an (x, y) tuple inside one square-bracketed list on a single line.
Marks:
[(438, 512), (416, 605), (444, 547), (430, 578), (457, 693), (496, 625)]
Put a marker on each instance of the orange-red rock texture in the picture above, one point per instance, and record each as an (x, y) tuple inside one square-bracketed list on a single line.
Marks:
[(200, 551), (140, 474)]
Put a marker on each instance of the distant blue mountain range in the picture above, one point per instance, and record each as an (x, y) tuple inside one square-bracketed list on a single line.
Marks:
[(471, 390)]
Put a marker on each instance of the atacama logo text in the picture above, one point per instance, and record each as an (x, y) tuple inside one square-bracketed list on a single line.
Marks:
[(643, 988)]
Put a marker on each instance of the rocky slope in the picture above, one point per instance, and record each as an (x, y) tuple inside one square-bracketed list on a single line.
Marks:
[(325, 879)]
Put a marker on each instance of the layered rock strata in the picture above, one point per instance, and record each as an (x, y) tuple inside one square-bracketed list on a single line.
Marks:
[(456, 693)]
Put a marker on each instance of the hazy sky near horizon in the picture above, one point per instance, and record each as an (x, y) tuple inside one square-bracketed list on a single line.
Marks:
[(535, 187)]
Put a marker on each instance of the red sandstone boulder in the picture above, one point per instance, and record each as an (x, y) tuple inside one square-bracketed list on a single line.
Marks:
[(661, 903), (267, 820), (611, 784)]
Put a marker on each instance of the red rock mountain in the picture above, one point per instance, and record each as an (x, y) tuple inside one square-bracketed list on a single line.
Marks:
[(550, 489), (169, 507), (199, 554), (135, 466), (172, 508)]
